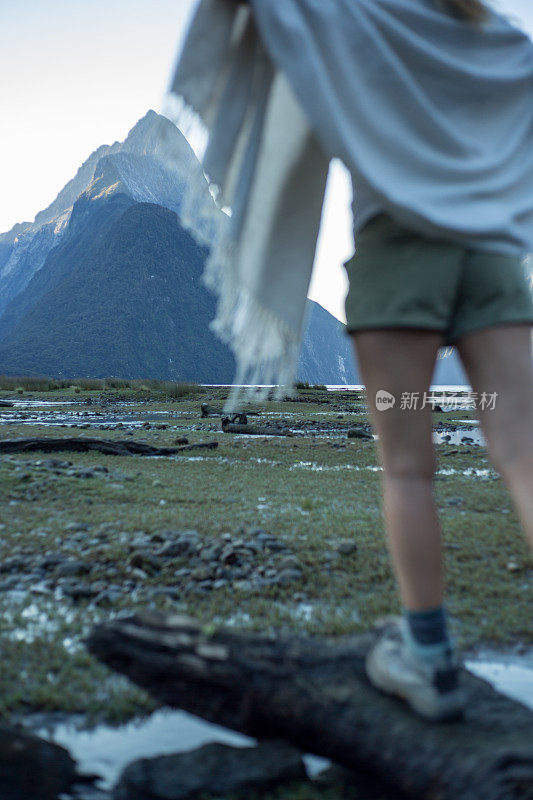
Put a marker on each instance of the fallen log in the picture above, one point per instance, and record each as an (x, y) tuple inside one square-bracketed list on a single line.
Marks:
[(211, 411), (253, 430), (313, 692), (81, 444)]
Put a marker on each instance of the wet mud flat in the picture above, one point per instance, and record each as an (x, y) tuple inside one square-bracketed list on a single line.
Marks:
[(267, 533)]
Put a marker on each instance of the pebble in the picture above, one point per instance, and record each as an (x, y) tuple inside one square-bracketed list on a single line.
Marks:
[(73, 569), (80, 473), (12, 564), (77, 526), (359, 433), (9, 583), (78, 591), (52, 560), (289, 575), (145, 560), (347, 547), (203, 573)]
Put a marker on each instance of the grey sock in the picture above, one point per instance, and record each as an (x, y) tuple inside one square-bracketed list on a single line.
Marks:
[(427, 634)]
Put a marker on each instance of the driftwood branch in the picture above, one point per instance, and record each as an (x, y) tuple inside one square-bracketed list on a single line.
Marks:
[(212, 411), (314, 693), (81, 444), (253, 430)]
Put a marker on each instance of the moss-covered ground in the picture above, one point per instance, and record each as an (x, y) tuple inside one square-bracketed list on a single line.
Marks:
[(310, 490)]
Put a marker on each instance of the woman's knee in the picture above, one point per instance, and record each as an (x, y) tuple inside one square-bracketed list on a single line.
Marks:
[(410, 464)]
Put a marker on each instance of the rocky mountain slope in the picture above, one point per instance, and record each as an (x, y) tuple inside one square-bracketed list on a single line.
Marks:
[(106, 281)]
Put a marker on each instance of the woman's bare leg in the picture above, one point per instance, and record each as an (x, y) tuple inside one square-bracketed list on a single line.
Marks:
[(402, 361), (498, 360)]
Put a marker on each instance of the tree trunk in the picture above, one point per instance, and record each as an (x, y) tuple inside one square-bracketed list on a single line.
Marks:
[(81, 444), (313, 692)]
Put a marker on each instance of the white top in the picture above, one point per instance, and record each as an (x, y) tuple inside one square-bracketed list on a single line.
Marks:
[(432, 116)]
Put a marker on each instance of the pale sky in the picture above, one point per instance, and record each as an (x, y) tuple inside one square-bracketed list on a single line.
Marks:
[(78, 74)]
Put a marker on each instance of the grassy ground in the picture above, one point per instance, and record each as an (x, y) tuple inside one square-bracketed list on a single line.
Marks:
[(311, 492)]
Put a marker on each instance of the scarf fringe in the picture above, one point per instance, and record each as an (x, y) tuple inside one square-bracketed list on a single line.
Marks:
[(265, 348)]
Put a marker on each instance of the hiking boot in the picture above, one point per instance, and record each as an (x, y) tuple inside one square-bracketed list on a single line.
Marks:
[(431, 689)]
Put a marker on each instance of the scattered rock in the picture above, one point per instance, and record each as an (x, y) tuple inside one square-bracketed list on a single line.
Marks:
[(9, 583), (346, 547), (289, 575), (13, 564), (107, 598), (290, 562), (81, 473), (216, 768), (181, 543), (359, 433), (79, 591), (203, 573), (78, 526), (52, 560), (143, 559), (31, 767), (73, 568)]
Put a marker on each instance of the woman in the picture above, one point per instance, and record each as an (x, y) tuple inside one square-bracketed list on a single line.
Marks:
[(429, 103)]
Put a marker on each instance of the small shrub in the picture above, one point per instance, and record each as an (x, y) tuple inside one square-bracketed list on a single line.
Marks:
[(29, 383), (90, 384), (117, 383), (181, 389), (166, 388)]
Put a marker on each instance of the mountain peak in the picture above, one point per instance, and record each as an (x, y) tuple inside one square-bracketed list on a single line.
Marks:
[(156, 135), (153, 134)]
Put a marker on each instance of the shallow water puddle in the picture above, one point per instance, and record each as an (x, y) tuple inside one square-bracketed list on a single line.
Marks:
[(105, 751), (514, 680), (473, 437), (88, 418), (469, 472), (37, 403)]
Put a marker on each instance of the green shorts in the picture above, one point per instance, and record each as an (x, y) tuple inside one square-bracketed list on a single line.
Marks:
[(399, 278)]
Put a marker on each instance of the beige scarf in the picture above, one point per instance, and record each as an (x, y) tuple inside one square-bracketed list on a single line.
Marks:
[(266, 170)]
